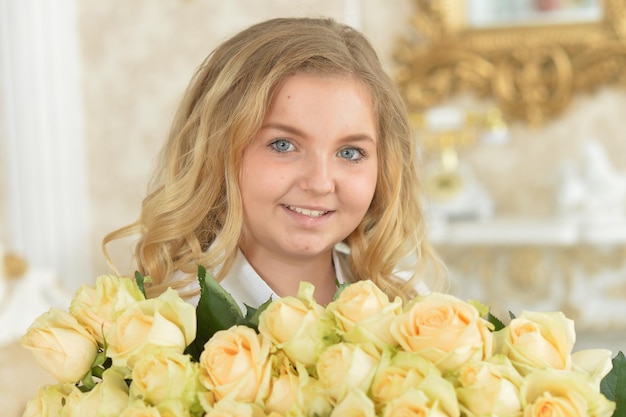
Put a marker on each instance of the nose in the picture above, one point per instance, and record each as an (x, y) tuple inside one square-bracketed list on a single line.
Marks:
[(318, 175)]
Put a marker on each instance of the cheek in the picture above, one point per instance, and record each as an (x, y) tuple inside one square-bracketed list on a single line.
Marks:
[(359, 190), (257, 179)]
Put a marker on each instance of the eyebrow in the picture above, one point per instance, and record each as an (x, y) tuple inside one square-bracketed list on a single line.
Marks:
[(295, 131)]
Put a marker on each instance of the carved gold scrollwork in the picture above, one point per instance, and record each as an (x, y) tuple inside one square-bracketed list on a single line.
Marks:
[(531, 72)]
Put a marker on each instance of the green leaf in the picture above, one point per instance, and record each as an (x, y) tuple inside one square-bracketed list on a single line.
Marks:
[(217, 310), (483, 310), (97, 372), (87, 382), (141, 280), (340, 288), (100, 359), (497, 323), (613, 385), (253, 314)]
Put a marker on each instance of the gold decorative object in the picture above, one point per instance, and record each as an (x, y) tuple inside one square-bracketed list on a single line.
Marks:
[(447, 130), (532, 72), (444, 131), (13, 265)]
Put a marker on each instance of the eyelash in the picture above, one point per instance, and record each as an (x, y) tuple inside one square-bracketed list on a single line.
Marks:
[(360, 152), (273, 145)]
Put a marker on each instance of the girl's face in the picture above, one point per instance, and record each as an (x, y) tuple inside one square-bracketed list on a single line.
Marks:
[(309, 174)]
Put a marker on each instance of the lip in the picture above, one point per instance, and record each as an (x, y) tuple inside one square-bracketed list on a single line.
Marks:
[(307, 210), (305, 219)]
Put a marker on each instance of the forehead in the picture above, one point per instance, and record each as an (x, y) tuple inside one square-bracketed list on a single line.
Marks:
[(313, 86), (310, 76)]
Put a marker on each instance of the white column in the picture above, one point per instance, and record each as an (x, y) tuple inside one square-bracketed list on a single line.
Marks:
[(44, 137)]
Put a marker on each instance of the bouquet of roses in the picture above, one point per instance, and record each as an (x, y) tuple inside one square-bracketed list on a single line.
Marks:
[(116, 353)]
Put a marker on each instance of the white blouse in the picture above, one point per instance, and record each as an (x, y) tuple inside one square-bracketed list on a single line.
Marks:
[(248, 288)]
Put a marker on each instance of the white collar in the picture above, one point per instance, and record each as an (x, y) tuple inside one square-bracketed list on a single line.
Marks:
[(248, 288)]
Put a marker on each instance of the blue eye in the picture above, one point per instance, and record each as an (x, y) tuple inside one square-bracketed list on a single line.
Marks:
[(281, 145), (352, 154)]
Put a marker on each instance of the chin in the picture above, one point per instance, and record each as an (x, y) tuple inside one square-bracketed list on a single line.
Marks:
[(312, 250)]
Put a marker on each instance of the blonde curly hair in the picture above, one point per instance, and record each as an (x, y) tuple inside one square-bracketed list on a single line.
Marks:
[(194, 195)]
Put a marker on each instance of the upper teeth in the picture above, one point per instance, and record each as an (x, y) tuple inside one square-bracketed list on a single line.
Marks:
[(307, 212)]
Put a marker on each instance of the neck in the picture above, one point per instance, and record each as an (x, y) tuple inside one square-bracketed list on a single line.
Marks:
[(283, 276)]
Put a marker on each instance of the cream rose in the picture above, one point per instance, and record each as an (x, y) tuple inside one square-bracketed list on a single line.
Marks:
[(97, 307), (312, 399), (165, 322), (595, 362), (563, 393), (413, 403), (167, 375), (175, 408), (207, 400), (61, 345), (355, 404), (235, 365), (445, 330), (489, 388), (169, 408), (344, 366), (297, 325), (363, 313), (538, 340), (52, 400), (285, 384), (230, 408), (397, 372), (138, 408), (433, 397), (108, 399)]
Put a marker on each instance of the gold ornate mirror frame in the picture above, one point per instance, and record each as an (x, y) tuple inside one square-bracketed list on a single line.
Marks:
[(531, 72)]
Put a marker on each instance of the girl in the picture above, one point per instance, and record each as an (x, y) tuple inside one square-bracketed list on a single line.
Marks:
[(290, 158)]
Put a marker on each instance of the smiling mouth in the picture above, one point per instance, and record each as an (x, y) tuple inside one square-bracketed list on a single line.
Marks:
[(307, 212)]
